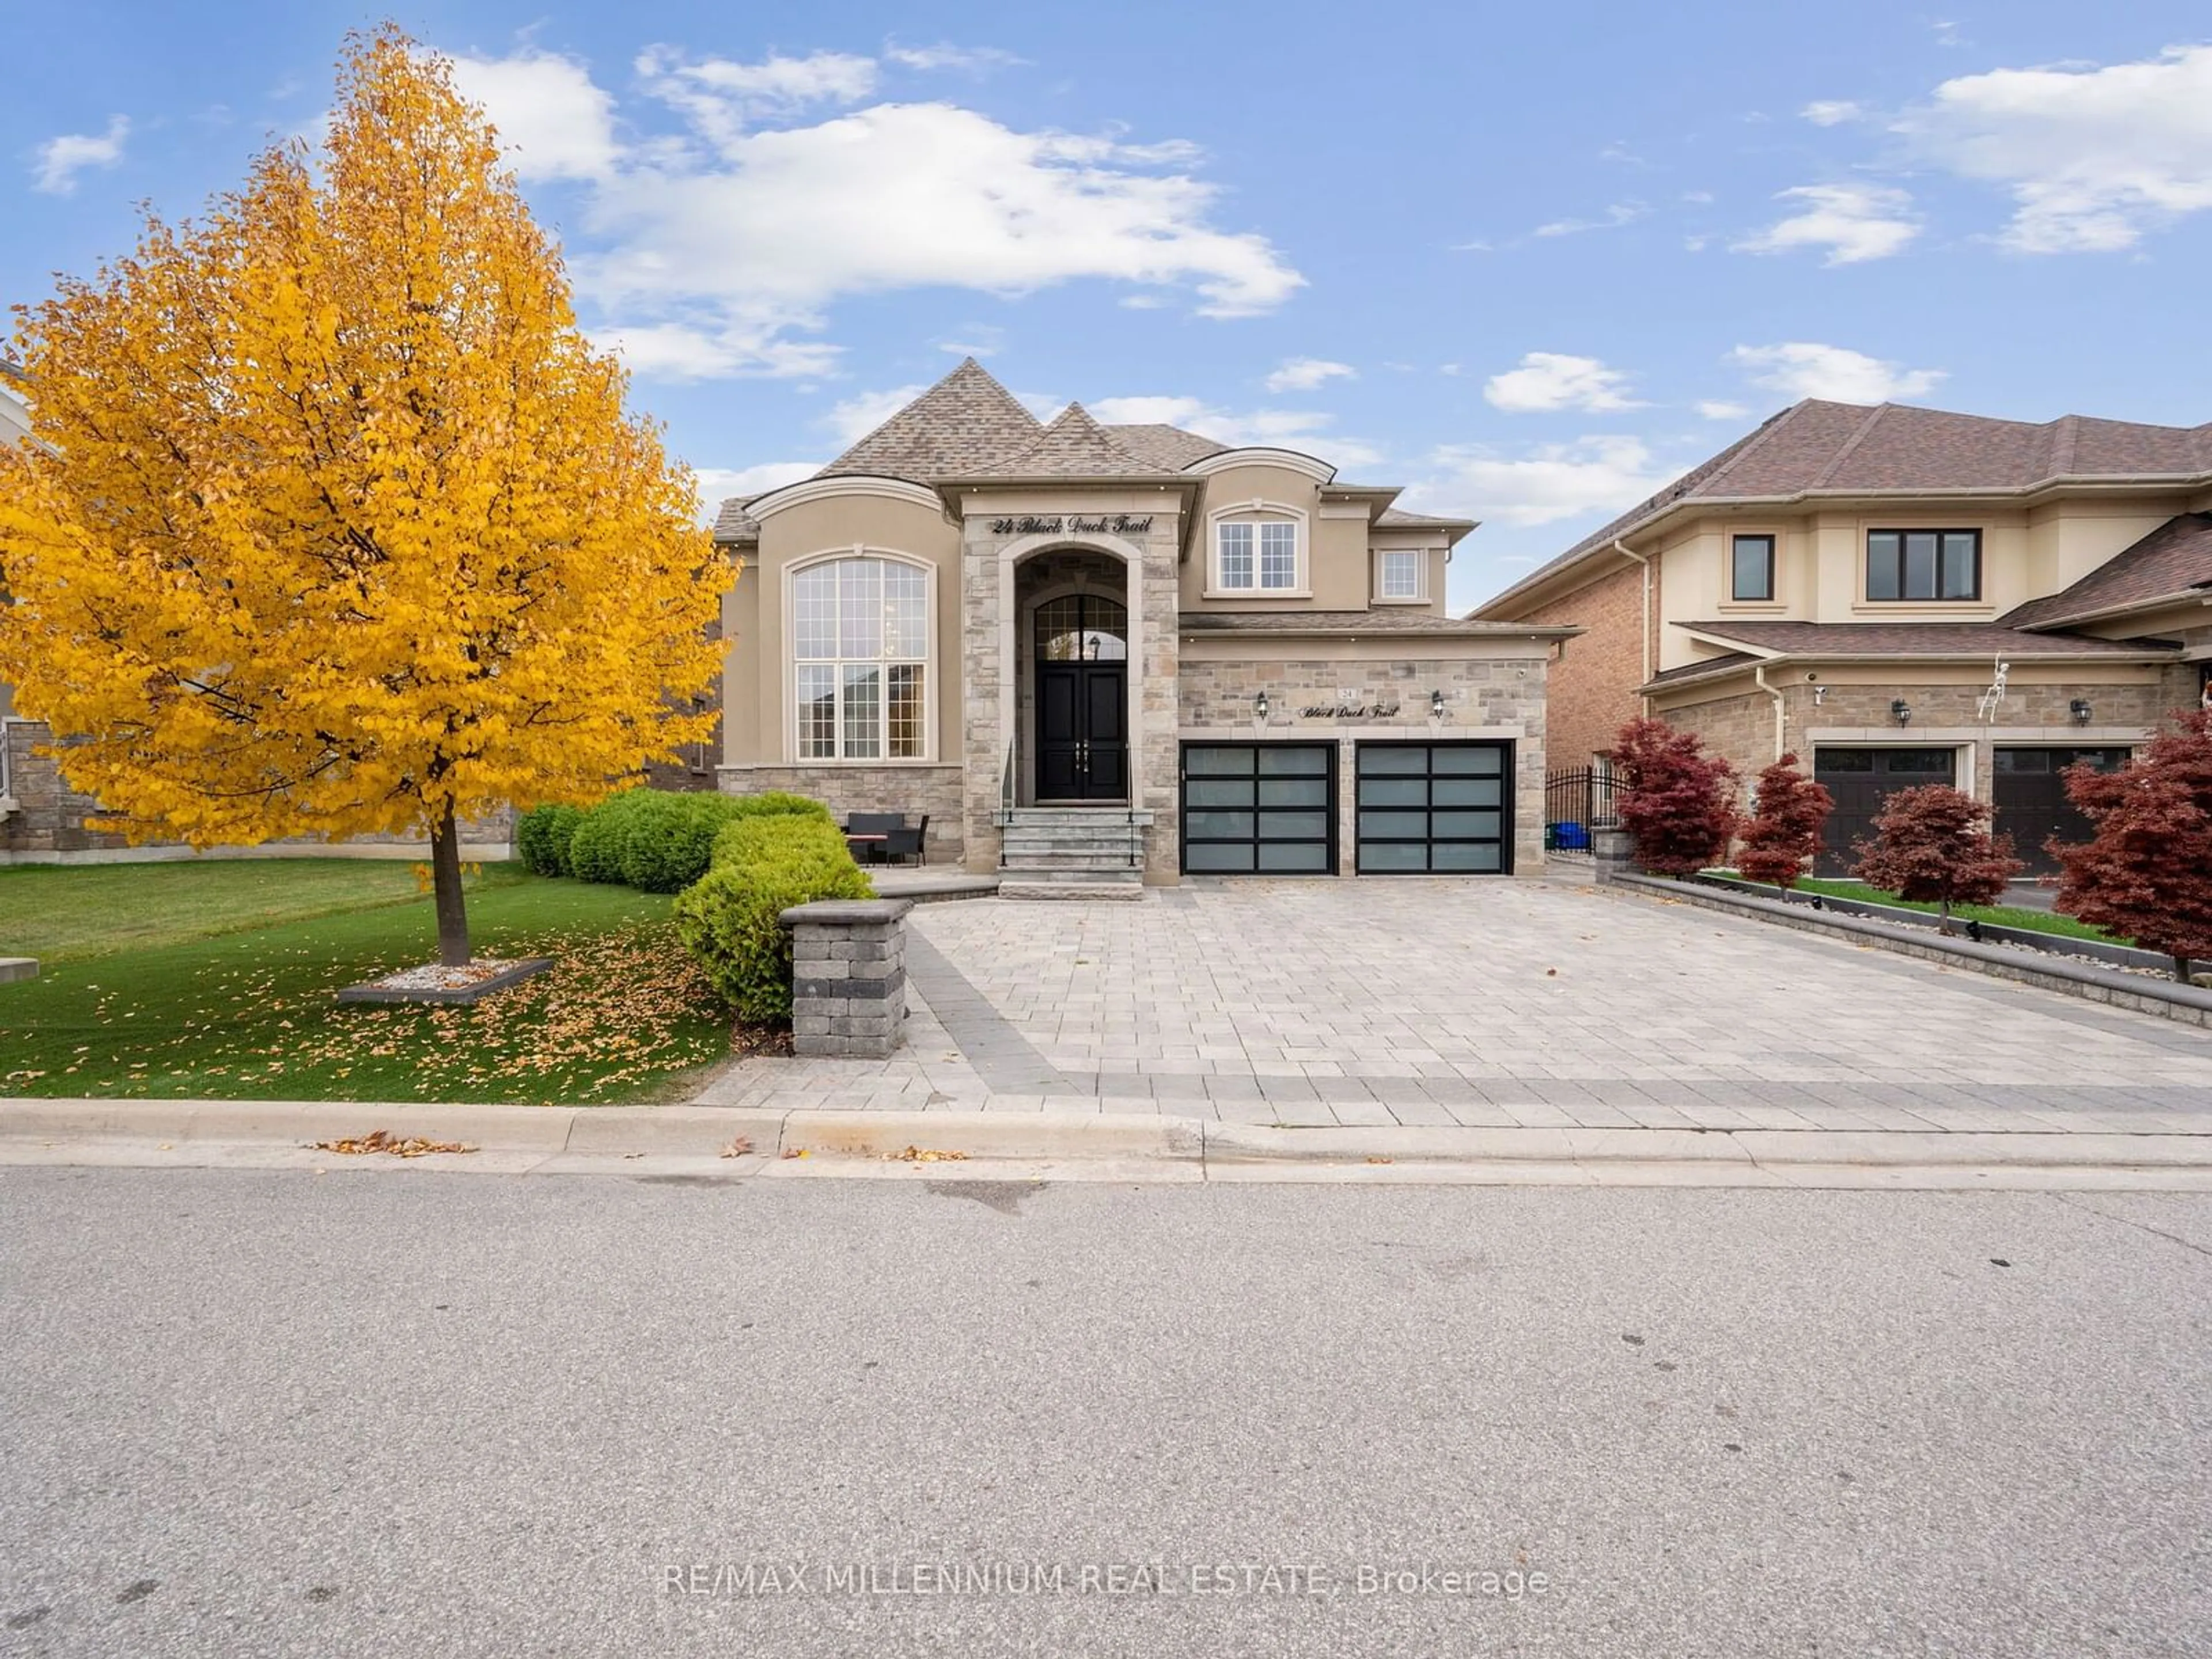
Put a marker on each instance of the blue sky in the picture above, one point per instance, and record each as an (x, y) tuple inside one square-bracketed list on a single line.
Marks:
[(1529, 261)]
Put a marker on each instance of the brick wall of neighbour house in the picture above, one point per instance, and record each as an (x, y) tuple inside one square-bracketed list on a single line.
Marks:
[(1482, 695), (1593, 685), (50, 819), (846, 789), (695, 762), (1740, 726)]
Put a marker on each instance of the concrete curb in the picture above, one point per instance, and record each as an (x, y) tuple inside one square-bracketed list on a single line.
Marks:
[(2045, 970), (577, 1136)]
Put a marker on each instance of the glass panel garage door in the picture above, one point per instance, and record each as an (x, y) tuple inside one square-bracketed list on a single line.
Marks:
[(1263, 808), (1435, 809)]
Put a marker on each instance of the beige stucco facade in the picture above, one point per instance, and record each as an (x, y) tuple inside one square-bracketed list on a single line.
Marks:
[(1236, 575)]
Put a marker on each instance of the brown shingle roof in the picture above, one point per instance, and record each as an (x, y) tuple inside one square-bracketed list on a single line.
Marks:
[(1076, 446), (734, 524), (1169, 447), (1915, 639), (1816, 448), (2174, 558), (964, 426)]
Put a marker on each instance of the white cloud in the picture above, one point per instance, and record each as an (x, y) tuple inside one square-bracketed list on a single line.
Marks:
[(974, 340), (719, 483), (60, 159), (1300, 429), (1715, 409), (948, 197), (1804, 369), (555, 122), (685, 351), (1853, 222), (2093, 157), (722, 98), (1832, 111), (857, 416), (1548, 381), (1304, 373), (973, 60), (1620, 213), (1542, 486)]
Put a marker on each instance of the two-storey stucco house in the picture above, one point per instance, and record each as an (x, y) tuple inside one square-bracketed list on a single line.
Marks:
[(1092, 654), (1900, 596)]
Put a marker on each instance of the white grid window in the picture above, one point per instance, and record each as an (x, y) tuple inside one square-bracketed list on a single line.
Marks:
[(1399, 576), (1258, 557), (860, 633)]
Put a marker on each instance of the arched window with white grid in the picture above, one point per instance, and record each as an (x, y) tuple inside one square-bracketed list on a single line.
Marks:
[(860, 659)]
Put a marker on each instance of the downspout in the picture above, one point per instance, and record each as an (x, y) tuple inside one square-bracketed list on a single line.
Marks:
[(1758, 679), (1643, 615)]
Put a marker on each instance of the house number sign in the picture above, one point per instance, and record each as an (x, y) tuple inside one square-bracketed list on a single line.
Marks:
[(1116, 524)]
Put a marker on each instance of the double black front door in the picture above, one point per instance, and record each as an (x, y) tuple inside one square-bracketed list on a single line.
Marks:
[(1082, 699)]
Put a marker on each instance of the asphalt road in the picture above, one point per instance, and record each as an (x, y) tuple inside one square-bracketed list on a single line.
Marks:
[(247, 1413)]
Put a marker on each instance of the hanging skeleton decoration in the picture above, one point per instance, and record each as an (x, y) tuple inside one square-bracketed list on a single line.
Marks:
[(1986, 710)]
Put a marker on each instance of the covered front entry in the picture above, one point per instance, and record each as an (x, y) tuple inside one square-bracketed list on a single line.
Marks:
[(1862, 780), (2029, 792), (1082, 666)]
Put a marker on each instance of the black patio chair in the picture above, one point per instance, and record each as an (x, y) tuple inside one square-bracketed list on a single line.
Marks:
[(902, 842), (868, 833)]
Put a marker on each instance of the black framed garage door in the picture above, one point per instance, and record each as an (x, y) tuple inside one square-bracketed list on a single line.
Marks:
[(2029, 792), (1435, 808), (1259, 809), (1861, 779)]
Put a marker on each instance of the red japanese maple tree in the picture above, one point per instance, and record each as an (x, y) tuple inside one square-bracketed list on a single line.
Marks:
[(1932, 845), (1676, 801), (1782, 837), (2145, 873)]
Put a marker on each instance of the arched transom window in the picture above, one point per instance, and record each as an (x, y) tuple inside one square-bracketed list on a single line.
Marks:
[(860, 636), (1083, 628)]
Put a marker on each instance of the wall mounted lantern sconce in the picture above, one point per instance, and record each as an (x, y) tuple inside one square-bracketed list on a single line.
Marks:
[(1902, 712), (1259, 709), (1435, 705), (2081, 710)]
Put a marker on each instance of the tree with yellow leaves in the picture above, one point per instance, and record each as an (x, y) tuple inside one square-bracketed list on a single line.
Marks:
[(336, 523)]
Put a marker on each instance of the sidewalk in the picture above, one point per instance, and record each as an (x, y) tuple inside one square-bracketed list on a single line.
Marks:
[(695, 1143)]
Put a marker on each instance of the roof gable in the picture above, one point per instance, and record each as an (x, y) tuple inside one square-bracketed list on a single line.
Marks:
[(1075, 446), (965, 425)]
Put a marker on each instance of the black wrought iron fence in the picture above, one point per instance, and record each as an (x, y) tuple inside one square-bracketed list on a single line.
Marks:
[(1576, 802)]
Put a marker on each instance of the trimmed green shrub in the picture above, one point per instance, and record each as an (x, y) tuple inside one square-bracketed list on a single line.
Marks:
[(542, 836), (595, 850), (779, 802), (670, 839), (763, 864)]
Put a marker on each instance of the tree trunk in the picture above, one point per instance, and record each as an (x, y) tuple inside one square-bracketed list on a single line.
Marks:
[(446, 878), (1943, 917), (2181, 968)]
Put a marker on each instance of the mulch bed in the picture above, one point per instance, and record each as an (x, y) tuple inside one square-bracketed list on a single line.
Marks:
[(751, 1041)]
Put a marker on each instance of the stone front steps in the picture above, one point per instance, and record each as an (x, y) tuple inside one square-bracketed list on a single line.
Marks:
[(1073, 853)]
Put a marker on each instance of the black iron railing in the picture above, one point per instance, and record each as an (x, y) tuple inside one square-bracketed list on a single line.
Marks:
[(1576, 802)]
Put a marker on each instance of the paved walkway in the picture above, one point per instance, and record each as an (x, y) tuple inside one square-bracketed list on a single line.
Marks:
[(1484, 1003)]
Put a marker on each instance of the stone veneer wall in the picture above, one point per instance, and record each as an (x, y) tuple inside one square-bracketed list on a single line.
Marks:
[(1484, 697), (49, 821), (993, 716), (846, 789), (1741, 726)]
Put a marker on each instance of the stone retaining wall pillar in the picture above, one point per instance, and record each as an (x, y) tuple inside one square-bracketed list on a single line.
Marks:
[(848, 976), (1613, 852)]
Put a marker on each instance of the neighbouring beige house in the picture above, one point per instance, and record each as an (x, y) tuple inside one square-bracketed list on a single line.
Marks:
[(1900, 596), (1100, 655)]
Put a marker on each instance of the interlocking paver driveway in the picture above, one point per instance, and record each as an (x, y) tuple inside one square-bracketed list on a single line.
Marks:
[(1420, 1001)]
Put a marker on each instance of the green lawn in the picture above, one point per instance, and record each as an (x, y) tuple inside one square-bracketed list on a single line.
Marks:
[(243, 1010), (68, 913), (2002, 915)]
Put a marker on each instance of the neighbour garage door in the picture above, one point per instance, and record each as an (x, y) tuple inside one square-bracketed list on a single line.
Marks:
[(2030, 794), (1259, 809), (1435, 808), (1861, 779)]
